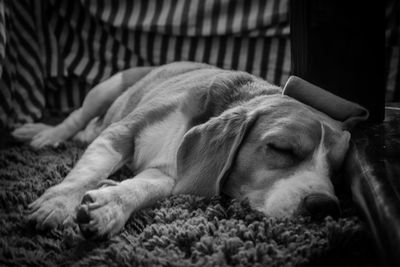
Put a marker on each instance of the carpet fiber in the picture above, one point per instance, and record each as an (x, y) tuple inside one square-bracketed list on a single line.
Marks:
[(179, 231)]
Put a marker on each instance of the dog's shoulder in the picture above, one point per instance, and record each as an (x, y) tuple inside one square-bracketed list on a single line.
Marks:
[(178, 97), (217, 90)]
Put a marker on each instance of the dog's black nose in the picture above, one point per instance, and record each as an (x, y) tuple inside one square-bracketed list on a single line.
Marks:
[(318, 206)]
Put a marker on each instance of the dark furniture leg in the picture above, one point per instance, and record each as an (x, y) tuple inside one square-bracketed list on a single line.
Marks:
[(339, 45)]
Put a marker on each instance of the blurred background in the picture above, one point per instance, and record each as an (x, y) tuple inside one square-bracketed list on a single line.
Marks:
[(52, 52)]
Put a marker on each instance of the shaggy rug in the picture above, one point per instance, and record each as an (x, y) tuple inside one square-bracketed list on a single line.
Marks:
[(182, 230)]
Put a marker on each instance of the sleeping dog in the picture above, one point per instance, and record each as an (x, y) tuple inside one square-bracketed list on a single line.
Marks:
[(190, 128)]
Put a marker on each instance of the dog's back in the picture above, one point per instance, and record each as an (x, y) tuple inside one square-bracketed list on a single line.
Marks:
[(154, 86), (173, 98)]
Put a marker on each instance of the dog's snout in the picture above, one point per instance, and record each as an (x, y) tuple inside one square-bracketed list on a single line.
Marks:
[(318, 206)]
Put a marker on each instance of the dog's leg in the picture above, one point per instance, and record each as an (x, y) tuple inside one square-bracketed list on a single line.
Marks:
[(96, 103), (104, 212), (106, 154)]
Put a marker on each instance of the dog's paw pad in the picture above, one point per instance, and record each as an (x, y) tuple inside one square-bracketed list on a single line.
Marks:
[(100, 214), (82, 215), (83, 211), (84, 218)]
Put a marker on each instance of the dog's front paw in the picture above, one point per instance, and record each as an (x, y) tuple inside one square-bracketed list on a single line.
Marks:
[(49, 137), (40, 135), (27, 131), (54, 208), (101, 213)]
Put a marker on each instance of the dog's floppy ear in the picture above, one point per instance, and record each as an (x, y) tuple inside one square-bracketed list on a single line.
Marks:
[(208, 151), (336, 107)]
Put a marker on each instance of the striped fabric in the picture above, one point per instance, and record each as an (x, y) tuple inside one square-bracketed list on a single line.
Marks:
[(53, 51), (21, 66), (62, 48)]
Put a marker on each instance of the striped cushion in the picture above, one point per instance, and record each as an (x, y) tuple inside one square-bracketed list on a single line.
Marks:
[(65, 47), (21, 72)]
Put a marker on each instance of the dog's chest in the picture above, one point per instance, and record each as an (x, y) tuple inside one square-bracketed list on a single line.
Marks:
[(157, 144)]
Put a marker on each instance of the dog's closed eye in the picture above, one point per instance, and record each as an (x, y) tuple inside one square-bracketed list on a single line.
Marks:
[(281, 148), (280, 155)]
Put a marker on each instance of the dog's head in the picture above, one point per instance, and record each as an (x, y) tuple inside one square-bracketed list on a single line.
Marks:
[(276, 151)]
